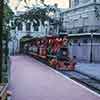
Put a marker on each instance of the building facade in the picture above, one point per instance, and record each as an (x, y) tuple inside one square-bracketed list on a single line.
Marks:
[(82, 16), (33, 28), (81, 21), (23, 29)]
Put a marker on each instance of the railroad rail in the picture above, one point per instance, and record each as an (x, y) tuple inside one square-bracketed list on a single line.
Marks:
[(84, 79)]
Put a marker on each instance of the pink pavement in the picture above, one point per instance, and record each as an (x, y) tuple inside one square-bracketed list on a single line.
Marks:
[(33, 80)]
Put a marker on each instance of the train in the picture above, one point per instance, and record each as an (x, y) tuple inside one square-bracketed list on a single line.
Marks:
[(52, 48)]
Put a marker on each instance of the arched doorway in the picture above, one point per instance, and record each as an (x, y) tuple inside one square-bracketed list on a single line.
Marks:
[(22, 42)]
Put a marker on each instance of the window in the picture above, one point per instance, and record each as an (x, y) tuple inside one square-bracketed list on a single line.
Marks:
[(85, 21), (76, 22), (28, 26), (76, 2), (13, 25), (36, 28), (20, 26)]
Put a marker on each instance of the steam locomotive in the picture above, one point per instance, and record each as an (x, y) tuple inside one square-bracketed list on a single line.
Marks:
[(52, 49)]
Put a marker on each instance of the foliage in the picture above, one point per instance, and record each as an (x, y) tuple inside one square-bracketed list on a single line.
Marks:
[(8, 14), (33, 15), (97, 12), (36, 14), (1, 17)]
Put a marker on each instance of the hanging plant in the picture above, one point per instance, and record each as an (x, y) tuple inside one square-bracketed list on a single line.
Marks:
[(97, 12)]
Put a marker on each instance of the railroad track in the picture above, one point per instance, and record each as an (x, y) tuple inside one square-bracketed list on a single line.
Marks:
[(84, 79)]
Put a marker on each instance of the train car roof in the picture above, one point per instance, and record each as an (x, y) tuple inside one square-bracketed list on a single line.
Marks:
[(58, 35), (30, 38)]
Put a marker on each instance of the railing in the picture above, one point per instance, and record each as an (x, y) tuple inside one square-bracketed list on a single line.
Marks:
[(83, 52)]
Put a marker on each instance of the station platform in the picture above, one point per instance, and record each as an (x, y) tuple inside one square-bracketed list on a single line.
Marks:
[(33, 80), (90, 69)]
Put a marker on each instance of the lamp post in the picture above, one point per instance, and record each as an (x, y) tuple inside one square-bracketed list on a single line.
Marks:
[(91, 47), (13, 28), (13, 47)]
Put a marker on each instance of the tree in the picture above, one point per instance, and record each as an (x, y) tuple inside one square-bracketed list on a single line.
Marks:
[(5, 15), (35, 14), (1, 21)]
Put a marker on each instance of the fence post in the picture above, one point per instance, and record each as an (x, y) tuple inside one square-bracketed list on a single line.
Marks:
[(91, 47)]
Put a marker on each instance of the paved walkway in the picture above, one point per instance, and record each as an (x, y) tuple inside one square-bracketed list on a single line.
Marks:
[(32, 80), (90, 69)]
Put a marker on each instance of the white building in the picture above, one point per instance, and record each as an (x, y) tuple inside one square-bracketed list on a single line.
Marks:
[(82, 16), (24, 28), (82, 22), (55, 24)]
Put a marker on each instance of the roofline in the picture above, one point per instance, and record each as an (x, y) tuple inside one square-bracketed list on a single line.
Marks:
[(82, 6)]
